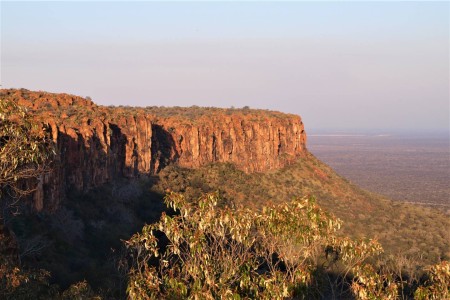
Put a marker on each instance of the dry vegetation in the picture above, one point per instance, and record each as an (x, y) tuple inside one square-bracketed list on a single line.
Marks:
[(83, 238), (403, 229), (284, 251)]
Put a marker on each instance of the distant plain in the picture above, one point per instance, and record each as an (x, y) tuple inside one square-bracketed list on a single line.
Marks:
[(402, 166)]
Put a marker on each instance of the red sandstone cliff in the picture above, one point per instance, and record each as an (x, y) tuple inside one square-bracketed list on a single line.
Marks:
[(97, 144)]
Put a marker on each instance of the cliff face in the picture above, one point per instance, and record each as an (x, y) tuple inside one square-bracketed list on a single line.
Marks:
[(97, 144), (253, 143)]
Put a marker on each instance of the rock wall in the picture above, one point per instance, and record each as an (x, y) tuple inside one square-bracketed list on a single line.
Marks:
[(253, 143), (97, 144)]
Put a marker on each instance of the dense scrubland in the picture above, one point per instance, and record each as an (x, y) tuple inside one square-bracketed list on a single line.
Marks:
[(214, 232)]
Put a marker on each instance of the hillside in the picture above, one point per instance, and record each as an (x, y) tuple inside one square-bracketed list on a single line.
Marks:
[(402, 229), (115, 165)]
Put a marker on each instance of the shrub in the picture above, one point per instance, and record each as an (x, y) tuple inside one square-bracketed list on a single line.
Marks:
[(25, 150), (438, 285), (79, 290), (207, 252)]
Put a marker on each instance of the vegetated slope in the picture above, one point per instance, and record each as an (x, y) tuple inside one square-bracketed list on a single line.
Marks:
[(403, 229), (83, 236)]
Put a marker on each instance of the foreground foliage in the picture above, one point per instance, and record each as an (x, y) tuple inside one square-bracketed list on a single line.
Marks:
[(438, 285), (282, 251), (26, 153), (25, 150)]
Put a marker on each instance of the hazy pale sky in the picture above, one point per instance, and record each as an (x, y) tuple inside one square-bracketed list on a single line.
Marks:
[(339, 65)]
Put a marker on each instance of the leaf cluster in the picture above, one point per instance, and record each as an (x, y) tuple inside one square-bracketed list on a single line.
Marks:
[(25, 149), (210, 252)]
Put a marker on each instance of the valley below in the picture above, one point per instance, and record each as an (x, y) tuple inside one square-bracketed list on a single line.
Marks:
[(404, 166)]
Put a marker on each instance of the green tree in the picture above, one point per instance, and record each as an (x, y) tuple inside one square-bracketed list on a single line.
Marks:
[(234, 253), (438, 284), (26, 151)]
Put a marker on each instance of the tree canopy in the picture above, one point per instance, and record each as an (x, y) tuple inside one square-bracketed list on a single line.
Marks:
[(25, 150), (286, 251)]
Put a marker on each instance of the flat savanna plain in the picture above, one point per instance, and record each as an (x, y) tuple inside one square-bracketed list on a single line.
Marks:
[(406, 167)]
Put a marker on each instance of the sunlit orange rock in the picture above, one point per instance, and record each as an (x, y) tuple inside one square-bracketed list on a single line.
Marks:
[(97, 144)]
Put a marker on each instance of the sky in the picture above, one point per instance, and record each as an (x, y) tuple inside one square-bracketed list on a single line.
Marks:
[(340, 65)]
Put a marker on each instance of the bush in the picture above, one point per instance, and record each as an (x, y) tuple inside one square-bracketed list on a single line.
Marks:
[(207, 252), (25, 150), (438, 285)]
